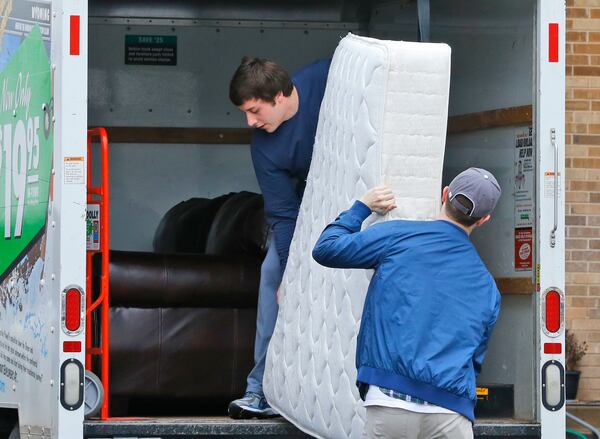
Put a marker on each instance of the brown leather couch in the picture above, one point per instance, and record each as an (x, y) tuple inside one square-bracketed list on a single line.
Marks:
[(182, 319)]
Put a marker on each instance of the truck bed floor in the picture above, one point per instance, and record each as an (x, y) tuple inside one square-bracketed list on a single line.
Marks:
[(223, 427)]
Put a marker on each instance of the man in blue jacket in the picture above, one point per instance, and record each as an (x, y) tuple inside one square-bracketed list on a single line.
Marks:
[(429, 311), (285, 112)]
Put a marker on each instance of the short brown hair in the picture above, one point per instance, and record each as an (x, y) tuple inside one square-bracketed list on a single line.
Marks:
[(258, 78), (461, 218)]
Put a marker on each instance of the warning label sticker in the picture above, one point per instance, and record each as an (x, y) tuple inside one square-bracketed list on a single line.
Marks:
[(74, 170), (524, 249)]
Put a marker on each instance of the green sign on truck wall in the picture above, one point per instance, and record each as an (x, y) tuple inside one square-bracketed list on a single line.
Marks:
[(26, 144), (152, 50)]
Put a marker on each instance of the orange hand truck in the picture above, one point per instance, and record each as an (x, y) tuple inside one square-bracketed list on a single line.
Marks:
[(98, 242)]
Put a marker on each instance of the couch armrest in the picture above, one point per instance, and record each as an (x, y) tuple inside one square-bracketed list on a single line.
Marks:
[(151, 280)]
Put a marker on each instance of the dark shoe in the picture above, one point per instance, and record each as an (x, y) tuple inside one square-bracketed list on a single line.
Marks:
[(252, 405)]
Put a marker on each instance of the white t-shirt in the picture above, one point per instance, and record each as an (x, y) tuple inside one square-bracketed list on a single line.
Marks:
[(377, 397)]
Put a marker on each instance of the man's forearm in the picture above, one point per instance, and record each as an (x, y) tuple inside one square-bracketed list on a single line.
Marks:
[(284, 232)]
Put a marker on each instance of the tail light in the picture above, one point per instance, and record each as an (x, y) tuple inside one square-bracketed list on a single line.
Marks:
[(553, 312), (72, 310)]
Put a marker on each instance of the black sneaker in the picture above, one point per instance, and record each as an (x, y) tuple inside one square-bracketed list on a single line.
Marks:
[(251, 405)]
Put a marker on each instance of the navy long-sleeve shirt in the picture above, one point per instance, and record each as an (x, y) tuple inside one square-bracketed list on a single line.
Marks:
[(281, 159)]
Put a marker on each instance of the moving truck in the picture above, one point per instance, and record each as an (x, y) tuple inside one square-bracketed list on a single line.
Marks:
[(67, 65)]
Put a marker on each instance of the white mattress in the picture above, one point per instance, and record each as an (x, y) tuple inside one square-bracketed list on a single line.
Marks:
[(382, 120)]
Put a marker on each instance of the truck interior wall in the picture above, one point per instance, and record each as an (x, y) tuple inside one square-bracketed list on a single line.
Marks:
[(511, 355), (148, 179), (268, 10), (492, 47), (494, 150)]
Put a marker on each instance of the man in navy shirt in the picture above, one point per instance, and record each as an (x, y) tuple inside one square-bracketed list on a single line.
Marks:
[(429, 310), (285, 112)]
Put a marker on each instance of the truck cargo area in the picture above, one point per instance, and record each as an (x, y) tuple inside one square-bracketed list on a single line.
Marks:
[(175, 135)]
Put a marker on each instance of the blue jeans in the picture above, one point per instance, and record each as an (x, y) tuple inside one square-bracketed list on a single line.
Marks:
[(270, 279)]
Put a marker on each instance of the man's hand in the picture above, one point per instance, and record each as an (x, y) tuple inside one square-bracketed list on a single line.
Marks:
[(379, 199)]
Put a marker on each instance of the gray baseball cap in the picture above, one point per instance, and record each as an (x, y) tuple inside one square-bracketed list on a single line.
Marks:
[(480, 187)]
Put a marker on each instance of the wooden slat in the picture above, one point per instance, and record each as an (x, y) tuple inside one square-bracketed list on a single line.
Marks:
[(179, 135), (456, 124), (515, 285), (502, 117)]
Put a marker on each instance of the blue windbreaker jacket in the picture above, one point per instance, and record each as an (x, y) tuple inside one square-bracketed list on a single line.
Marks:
[(429, 310)]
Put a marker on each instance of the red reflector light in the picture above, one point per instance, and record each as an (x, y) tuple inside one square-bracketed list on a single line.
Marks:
[(72, 346), (553, 311), (553, 42), (552, 348), (73, 310), (75, 34)]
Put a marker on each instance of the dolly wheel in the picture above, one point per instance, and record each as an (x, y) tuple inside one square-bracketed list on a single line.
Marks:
[(93, 395)]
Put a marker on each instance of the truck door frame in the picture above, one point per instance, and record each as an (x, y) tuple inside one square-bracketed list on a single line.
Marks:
[(549, 117)]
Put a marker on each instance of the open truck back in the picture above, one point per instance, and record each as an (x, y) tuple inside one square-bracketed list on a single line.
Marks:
[(174, 135)]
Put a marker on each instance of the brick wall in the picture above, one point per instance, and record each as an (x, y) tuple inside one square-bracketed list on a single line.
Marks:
[(583, 186)]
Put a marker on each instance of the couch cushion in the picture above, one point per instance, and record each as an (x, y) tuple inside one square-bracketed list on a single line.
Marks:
[(197, 353), (185, 226), (153, 280), (239, 227)]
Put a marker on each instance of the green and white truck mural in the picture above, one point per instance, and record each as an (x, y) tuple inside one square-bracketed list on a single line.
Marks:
[(26, 148)]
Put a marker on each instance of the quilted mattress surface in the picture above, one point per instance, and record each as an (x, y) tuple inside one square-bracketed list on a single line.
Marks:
[(382, 120)]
